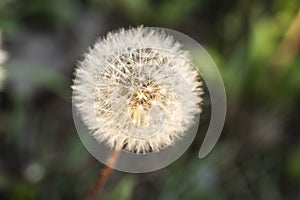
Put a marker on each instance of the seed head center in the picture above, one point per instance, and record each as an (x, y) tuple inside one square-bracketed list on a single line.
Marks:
[(141, 102)]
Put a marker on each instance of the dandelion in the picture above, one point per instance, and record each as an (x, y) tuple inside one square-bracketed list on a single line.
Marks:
[(137, 90), (3, 57)]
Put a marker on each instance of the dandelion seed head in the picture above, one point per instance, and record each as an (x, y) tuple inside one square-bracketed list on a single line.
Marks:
[(131, 90)]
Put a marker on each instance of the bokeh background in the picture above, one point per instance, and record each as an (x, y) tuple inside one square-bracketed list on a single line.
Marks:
[(254, 43)]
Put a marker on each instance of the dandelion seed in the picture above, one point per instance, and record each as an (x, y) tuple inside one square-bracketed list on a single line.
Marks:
[(131, 90)]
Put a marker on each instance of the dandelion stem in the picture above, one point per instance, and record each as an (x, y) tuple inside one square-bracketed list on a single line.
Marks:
[(103, 175)]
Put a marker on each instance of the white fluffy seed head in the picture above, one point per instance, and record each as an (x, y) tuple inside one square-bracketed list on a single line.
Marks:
[(137, 90)]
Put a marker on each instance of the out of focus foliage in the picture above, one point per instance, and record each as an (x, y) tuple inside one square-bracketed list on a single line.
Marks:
[(258, 156)]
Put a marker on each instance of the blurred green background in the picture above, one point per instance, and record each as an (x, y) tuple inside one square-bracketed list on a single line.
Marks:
[(254, 43)]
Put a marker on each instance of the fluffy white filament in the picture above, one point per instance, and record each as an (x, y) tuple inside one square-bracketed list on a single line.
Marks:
[(137, 90)]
